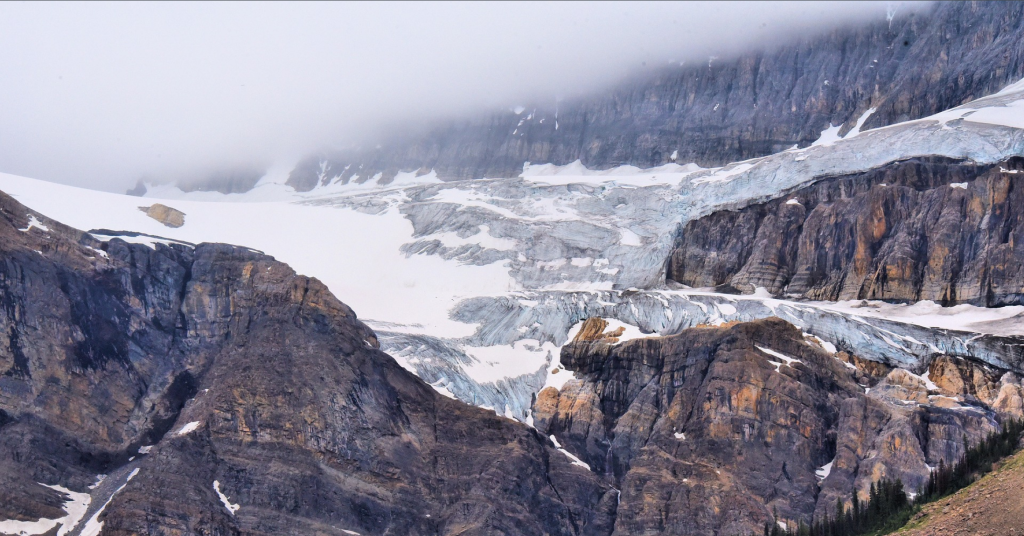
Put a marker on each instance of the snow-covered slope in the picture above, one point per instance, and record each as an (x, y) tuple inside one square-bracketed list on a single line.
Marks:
[(475, 285)]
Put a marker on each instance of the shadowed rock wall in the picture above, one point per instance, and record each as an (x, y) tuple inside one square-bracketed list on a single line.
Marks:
[(922, 229)]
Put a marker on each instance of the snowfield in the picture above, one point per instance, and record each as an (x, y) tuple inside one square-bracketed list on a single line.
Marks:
[(476, 285)]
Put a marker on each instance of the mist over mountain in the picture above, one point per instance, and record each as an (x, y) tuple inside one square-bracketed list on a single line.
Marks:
[(909, 65), (777, 289), (108, 94)]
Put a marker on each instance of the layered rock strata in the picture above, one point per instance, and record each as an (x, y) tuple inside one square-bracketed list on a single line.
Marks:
[(718, 430), (920, 229)]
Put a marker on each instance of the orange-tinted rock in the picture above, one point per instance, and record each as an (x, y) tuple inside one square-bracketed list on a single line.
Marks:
[(164, 214), (958, 377), (593, 330), (901, 232), (701, 430)]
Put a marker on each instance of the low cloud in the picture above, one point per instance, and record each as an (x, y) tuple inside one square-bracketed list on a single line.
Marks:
[(101, 95)]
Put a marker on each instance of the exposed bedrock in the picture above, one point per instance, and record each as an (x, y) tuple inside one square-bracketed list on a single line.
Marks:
[(247, 380), (543, 319), (724, 109), (712, 430), (920, 229)]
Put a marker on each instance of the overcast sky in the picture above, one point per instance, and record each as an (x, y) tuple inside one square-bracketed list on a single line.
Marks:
[(100, 95)]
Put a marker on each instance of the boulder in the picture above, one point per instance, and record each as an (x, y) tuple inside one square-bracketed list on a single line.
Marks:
[(164, 214)]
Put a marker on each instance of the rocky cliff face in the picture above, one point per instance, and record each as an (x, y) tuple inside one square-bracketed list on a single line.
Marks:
[(712, 430), (723, 111), (920, 229), (178, 389), (221, 393)]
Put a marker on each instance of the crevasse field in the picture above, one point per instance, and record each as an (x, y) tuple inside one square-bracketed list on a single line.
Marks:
[(475, 285)]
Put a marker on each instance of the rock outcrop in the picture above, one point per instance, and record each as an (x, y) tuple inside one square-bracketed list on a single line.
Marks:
[(593, 329), (902, 428), (922, 229), (725, 110), (221, 393), (706, 431), (717, 429), (225, 181), (164, 214), (963, 379)]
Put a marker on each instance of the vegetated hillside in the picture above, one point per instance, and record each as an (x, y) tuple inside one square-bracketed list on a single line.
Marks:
[(719, 111), (991, 506)]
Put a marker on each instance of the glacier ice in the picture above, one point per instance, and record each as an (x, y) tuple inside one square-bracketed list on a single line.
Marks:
[(464, 279)]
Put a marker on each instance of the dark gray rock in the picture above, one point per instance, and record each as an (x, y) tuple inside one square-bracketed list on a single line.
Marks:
[(301, 419), (725, 110), (704, 434), (922, 229), (226, 181), (701, 431)]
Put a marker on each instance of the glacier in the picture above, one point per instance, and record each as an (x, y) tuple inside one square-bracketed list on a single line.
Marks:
[(475, 285)]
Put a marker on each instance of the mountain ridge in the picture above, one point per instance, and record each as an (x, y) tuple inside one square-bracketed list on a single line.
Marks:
[(170, 368), (760, 103)]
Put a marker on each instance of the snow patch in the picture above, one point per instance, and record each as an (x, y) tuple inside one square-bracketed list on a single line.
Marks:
[(232, 508), (927, 313), (574, 459), (1010, 115), (629, 238), (188, 428), (494, 363), (576, 173), (145, 240), (724, 174), (860, 122), (828, 136), (442, 386), (34, 222), (74, 507), (94, 525), (726, 309), (778, 366), (825, 470), (928, 383)]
